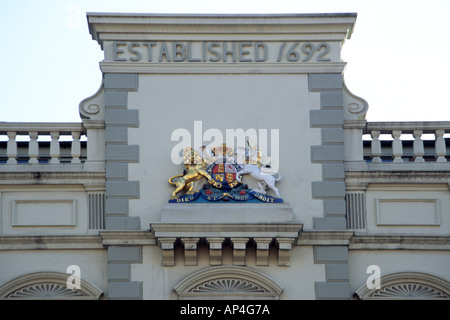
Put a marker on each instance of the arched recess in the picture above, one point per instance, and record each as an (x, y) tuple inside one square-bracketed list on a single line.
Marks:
[(407, 285), (228, 282), (48, 285)]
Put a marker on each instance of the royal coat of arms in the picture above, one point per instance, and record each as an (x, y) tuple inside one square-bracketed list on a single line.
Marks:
[(221, 174)]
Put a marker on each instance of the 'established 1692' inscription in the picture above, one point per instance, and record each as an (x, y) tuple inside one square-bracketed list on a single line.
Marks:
[(215, 51)]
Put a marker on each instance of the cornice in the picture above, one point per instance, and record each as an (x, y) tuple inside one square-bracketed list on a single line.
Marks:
[(45, 175), (104, 238), (434, 173), (103, 25), (319, 237), (223, 68), (117, 237), (160, 229), (53, 242), (399, 242)]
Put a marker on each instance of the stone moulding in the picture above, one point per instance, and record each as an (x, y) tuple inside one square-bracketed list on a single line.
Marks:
[(227, 230), (228, 282), (399, 242), (243, 68), (50, 242)]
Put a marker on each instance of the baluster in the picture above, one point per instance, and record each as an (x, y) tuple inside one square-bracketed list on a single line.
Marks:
[(376, 147), (54, 147), (397, 148), (33, 147), (441, 149), (11, 148), (76, 147), (418, 146)]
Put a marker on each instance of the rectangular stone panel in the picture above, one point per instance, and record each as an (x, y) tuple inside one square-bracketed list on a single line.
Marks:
[(116, 99), (127, 118), (331, 99), (323, 118), (123, 223), (337, 272), (116, 206), (125, 81), (408, 212), (333, 171), (119, 271), (125, 254), (325, 189), (325, 81), (330, 254), (123, 189), (327, 153), (330, 223), (117, 171), (123, 153), (332, 135), (116, 134), (38, 213), (332, 290), (125, 290), (334, 207)]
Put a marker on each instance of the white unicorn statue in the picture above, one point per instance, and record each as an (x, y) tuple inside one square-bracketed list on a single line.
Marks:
[(264, 176)]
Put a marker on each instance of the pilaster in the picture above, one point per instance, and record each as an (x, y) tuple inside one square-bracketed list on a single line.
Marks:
[(118, 154), (330, 154)]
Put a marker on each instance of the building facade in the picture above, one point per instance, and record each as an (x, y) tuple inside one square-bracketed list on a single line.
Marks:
[(348, 209)]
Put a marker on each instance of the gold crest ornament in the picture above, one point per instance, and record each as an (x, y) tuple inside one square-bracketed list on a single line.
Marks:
[(195, 170), (224, 170)]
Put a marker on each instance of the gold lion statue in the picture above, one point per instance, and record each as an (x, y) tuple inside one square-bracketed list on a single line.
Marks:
[(195, 170)]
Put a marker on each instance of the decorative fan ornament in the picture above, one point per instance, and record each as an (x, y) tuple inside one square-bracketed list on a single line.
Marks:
[(45, 290), (409, 290), (228, 285)]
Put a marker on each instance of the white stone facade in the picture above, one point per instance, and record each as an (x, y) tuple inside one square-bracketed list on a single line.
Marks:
[(366, 206)]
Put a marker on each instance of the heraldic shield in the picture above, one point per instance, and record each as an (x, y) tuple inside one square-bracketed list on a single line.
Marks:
[(221, 175)]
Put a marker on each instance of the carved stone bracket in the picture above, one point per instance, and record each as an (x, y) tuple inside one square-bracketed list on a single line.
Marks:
[(168, 254), (237, 236), (218, 226), (239, 247), (262, 251), (215, 250), (190, 251), (284, 250)]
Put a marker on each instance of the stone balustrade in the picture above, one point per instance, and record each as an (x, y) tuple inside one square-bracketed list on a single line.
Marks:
[(42, 143), (62, 143), (400, 142)]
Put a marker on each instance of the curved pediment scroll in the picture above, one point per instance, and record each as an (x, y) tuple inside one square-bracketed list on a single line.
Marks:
[(93, 107), (355, 108)]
